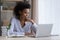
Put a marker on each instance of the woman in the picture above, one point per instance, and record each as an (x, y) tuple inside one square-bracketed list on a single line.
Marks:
[(20, 23)]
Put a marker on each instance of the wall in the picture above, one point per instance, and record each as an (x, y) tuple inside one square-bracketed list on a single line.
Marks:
[(35, 11), (48, 13)]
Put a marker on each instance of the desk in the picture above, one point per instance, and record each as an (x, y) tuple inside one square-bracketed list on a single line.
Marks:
[(29, 38)]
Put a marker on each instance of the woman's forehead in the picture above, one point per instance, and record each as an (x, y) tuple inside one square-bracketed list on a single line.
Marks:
[(26, 10)]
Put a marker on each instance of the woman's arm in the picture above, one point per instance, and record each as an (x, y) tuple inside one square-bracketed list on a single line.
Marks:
[(15, 29), (10, 31), (33, 27)]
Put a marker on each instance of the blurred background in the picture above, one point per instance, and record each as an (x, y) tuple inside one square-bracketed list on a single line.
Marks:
[(6, 8), (42, 11)]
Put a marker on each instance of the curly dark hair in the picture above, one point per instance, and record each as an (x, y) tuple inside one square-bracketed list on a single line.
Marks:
[(20, 6)]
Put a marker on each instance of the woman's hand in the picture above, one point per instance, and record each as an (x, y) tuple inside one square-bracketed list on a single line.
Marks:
[(28, 33), (31, 20)]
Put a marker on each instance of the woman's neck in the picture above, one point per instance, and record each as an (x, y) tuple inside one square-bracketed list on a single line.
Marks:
[(22, 21)]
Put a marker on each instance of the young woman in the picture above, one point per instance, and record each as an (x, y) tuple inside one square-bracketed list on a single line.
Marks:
[(20, 23)]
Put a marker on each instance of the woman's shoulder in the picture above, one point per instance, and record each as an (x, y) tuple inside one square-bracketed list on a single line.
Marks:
[(13, 19)]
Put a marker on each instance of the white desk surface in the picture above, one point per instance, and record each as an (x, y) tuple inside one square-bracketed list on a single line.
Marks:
[(31, 38)]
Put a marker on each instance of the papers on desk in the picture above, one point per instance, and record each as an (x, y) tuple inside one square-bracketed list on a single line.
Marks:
[(15, 35)]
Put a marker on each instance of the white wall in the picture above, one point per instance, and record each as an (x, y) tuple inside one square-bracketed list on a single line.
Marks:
[(49, 13)]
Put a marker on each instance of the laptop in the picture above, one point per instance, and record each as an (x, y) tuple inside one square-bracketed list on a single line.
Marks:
[(44, 30)]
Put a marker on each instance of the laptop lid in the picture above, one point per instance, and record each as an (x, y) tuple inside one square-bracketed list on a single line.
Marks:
[(44, 30)]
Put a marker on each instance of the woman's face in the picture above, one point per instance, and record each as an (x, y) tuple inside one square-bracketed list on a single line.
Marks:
[(24, 13)]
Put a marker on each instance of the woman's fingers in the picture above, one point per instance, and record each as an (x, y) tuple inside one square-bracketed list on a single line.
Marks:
[(31, 20)]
